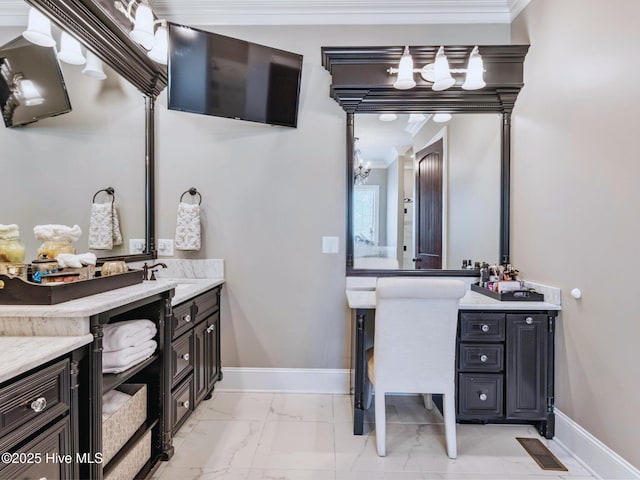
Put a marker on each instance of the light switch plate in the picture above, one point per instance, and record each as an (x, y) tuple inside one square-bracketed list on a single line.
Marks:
[(330, 244), (136, 245), (165, 247)]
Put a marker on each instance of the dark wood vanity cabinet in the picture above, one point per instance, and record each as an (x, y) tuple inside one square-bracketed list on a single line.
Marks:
[(505, 368), (195, 357), (38, 421)]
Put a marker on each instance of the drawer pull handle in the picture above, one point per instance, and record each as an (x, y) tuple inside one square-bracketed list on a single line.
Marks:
[(529, 320), (483, 397), (187, 318), (39, 404), (485, 328), (211, 328), (185, 404), (484, 358), (185, 357)]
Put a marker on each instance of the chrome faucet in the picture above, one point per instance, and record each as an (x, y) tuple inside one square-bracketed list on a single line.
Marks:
[(146, 268)]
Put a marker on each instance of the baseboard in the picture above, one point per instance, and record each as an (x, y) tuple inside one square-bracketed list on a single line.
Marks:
[(591, 452), (291, 380)]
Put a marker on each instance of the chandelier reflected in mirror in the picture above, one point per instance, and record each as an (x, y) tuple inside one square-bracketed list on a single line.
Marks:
[(360, 170)]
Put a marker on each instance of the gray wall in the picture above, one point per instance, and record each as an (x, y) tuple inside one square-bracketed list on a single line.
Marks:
[(575, 220)]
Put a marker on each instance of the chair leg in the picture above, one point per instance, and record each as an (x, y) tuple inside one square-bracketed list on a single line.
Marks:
[(428, 401), (368, 394), (449, 407), (380, 423)]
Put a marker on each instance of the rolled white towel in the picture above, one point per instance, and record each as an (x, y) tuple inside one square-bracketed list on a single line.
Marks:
[(9, 232), (121, 360), (57, 233), (76, 261), (112, 401), (129, 333)]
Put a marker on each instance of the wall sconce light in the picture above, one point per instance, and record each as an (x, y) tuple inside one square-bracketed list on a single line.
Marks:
[(26, 91), (93, 68), (439, 73), (360, 171), (39, 29), (70, 50), (143, 29)]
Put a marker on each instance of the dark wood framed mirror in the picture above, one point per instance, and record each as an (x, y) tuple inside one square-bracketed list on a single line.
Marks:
[(101, 28), (363, 87)]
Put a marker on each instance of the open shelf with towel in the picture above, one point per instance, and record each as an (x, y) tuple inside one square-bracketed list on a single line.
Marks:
[(147, 439)]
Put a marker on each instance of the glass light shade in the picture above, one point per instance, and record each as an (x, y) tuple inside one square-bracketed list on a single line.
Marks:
[(441, 117), (70, 50), (142, 32), (443, 78), (39, 29), (416, 117), (387, 117), (93, 68), (475, 72), (160, 47), (30, 93), (405, 79)]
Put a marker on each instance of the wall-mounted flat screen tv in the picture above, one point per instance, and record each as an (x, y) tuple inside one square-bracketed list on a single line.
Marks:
[(31, 83), (217, 75)]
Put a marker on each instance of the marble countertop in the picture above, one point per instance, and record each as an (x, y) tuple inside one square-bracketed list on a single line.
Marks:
[(73, 317), (471, 301), (20, 354)]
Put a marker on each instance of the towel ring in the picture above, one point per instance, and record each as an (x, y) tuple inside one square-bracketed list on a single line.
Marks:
[(109, 190), (192, 191)]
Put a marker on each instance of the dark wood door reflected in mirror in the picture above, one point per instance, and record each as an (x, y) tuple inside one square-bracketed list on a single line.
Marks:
[(425, 196)]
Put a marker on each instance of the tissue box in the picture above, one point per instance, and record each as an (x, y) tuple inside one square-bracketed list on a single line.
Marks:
[(120, 426), (134, 461)]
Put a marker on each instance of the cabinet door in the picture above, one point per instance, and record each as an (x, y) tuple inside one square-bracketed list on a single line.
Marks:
[(212, 342), (200, 364), (526, 366)]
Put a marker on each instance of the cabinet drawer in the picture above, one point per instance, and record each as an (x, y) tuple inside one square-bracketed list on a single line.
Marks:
[(488, 327), (181, 357), (182, 319), (33, 401), (182, 404), (35, 459), (480, 395), (481, 357), (206, 304)]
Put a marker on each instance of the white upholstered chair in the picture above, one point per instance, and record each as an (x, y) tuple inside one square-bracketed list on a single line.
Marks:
[(415, 345)]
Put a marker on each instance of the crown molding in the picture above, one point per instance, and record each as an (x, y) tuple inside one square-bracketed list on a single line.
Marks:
[(314, 12)]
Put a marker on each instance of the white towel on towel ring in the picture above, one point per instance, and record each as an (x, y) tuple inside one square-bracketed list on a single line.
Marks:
[(188, 227)]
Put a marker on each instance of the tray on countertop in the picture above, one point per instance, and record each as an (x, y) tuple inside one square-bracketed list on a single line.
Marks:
[(514, 296), (16, 291)]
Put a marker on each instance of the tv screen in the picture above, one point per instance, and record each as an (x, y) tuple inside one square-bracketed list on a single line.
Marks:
[(31, 83), (217, 75)]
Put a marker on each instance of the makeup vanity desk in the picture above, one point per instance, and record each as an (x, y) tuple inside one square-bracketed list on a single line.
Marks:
[(504, 359)]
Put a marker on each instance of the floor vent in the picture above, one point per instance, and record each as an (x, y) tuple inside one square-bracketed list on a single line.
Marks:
[(541, 454)]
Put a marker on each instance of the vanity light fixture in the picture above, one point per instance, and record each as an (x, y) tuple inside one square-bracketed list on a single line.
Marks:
[(439, 73), (93, 68), (441, 117), (70, 50), (26, 91), (144, 24), (387, 117), (360, 171), (39, 29)]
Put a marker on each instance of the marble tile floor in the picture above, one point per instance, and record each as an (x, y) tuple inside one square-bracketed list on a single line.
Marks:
[(251, 436)]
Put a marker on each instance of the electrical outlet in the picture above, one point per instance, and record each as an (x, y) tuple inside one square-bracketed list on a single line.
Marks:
[(136, 245), (165, 247), (330, 244)]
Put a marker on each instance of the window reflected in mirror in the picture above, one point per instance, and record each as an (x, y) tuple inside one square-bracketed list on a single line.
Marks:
[(431, 199)]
